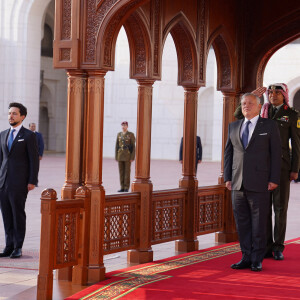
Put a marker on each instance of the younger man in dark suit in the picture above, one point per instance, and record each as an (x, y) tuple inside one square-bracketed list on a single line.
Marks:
[(252, 160), (19, 166)]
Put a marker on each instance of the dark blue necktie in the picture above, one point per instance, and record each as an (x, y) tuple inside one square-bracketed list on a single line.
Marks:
[(10, 139), (245, 135)]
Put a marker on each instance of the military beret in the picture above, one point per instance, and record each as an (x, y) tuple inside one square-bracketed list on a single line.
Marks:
[(124, 123)]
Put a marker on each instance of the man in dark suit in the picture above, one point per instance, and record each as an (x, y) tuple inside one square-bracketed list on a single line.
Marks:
[(39, 138), (198, 151), (252, 161), (19, 166)]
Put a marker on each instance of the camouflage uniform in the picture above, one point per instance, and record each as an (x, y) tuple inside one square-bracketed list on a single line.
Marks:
[(125, 152)]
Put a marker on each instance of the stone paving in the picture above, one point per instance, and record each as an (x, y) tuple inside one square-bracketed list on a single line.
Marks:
[(20, 276)]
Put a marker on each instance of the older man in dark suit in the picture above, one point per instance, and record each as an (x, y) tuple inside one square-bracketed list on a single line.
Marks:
[(252, 161), (19, 166)]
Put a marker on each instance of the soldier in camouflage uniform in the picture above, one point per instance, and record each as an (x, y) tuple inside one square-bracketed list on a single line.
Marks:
[(125, 153), (287, 118)]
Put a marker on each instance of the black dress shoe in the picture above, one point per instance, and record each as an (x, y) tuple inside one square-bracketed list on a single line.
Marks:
[(256, 267), (125, 190), (243, 264), (269, 254), (17, 253), (278, 255), (6, 252), (120, 191)]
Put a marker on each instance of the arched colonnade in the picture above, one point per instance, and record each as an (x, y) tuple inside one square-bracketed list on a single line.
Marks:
[(84, 45)]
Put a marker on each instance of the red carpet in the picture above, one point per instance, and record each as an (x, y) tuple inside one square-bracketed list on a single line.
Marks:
[(204, 274)]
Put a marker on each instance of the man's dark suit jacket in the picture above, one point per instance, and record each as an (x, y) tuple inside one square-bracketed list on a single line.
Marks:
[(258, 164), (40, 142), (20, 165), (198, 150)]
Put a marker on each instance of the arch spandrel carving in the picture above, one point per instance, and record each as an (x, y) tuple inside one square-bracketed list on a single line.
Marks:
[(184, 38), (140, 46), (225, 56)]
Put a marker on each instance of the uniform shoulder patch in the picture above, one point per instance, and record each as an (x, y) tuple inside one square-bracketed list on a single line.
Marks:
[(298, 123)]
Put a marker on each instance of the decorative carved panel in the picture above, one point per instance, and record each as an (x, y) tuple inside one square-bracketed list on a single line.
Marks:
[(167, 216), (202, 37), (209, 211), (67, 224), (66, 20), (119, 225)]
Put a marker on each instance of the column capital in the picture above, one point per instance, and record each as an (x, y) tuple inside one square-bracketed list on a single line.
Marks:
[(191, 89), (96, 73), (145, 81), (231, 93), (76, 73)]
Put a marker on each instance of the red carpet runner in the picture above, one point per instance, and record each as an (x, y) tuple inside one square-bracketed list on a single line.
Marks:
[(204, 274)]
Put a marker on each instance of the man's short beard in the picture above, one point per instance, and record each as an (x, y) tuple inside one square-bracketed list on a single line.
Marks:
[(13, 124)]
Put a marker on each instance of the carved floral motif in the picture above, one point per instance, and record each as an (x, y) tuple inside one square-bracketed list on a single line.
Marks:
[(66, 20)]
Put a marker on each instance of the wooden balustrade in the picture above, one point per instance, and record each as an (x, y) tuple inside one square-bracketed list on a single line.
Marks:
[(63, 238), (65, 226)]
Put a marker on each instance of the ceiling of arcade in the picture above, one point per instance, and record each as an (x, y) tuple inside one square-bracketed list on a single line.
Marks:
[(243, 33)]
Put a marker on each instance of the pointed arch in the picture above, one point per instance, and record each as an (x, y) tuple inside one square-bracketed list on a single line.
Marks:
[(184, 39), (224, 52)]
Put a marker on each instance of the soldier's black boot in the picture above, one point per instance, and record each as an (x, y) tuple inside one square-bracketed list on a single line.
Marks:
[(121, 190)]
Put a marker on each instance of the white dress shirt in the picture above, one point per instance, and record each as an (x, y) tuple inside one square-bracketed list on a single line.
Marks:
[(251, 127), (17, 129)]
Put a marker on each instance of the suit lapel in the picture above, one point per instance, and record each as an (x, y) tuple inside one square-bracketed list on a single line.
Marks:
[(238, 130), (6, 133)]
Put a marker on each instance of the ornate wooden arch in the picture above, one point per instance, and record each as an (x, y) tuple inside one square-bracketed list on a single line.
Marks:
[(184, 39), (225, 57), (102, 28)]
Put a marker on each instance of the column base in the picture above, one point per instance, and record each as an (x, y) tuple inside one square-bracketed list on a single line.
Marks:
[(95, 274), (186, 246), (68, 190), (226, 237), (64, 274), (139, 257)]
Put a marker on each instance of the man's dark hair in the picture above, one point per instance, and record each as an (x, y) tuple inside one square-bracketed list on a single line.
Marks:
[(21, 107)]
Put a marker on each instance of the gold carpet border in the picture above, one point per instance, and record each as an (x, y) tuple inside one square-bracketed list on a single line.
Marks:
[(149, 274), (140, 277)]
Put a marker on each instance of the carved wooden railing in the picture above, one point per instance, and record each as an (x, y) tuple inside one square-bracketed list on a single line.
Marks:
[(121, 222), (65, 226), (64, 238)]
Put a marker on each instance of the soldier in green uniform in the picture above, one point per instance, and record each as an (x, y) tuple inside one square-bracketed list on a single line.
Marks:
[(288, 121), (125, 153)]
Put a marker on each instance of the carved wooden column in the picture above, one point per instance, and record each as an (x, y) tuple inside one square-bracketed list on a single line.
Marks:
[(229, 234), (75, 125), (189, 180), (142, 182), (93, 172)]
